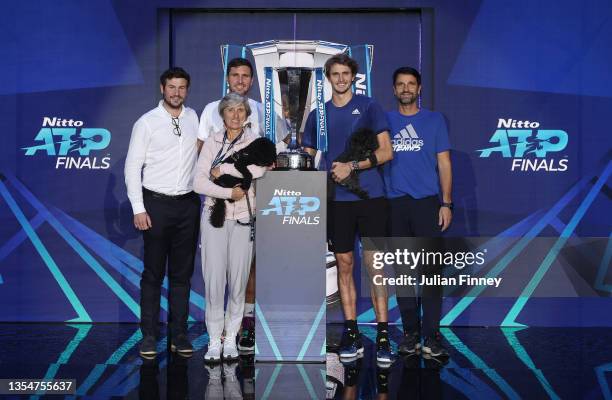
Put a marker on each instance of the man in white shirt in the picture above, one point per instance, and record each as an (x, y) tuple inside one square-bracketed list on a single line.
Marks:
[(240, 80), (159, 172)]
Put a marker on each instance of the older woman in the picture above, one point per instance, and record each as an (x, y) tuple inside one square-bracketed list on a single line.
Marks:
[(226, 251)]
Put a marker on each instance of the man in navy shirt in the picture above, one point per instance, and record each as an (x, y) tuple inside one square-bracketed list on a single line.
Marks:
[(348, 213), (420, 145)]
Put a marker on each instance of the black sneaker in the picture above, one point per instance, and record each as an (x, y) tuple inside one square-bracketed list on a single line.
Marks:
[(351, 345), (433, 346), (148, 347), (181, 345), (384, 354), (247, 337), (434, 363), (410, 344)]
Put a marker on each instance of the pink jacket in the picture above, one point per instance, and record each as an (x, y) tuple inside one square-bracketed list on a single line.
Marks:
[(203, 184)]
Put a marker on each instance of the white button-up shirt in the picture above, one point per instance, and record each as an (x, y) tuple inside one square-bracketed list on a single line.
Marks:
[(158, 159)]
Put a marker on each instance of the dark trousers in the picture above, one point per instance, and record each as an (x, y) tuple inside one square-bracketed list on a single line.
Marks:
[(420, 383), (410, 217), (172, 239)]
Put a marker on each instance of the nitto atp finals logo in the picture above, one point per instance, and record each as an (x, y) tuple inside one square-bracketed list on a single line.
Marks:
[(294, 208), (530, 148), (71, 144)]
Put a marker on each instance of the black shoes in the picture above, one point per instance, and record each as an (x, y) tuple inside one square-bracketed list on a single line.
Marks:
[(410, 344), (384, 354), (246, 344), (351, 345), (181, 345), (433, 346), (148, 347)]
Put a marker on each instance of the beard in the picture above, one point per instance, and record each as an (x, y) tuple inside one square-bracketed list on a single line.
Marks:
[(174, 102), (407, 100), (241, 90)]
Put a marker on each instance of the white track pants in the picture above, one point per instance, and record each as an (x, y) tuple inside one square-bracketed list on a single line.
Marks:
[(226, 259)]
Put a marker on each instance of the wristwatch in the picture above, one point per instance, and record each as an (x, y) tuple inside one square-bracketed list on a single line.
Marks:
[(449, 205), (355, 165)]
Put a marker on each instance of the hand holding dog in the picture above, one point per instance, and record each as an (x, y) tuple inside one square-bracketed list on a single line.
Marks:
[(237, 193)]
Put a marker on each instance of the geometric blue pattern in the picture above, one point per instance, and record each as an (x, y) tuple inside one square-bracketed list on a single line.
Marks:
[(554, 46), (478, 362), (537, 277), (522, 354), (525, 231), (78, 237)]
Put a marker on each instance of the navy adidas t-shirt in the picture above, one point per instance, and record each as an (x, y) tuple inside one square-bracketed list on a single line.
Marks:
[(359, 112), (417, 140)]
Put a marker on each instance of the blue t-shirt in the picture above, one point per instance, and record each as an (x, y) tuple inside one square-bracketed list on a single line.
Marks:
[(417, 140), (359, 112)]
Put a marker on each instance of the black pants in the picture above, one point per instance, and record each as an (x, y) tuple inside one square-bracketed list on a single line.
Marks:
[(172, 239), (420, 383), (410, 217)]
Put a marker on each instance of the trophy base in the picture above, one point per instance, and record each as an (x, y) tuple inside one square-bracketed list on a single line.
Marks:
[(296, 160)]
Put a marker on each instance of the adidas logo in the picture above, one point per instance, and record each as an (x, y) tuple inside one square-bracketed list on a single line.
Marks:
[(356, 112), (407, 133), (407, 140)]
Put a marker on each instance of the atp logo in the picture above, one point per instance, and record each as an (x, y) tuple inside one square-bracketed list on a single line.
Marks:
[(530, 149), (71, 144), (294, 208)]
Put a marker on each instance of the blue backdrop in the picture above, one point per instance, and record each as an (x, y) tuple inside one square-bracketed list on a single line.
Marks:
[(77, 76)]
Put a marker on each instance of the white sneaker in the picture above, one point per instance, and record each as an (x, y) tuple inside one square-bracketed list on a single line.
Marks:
[(214, 388), (213, 355), (231, 388), (230, 351)]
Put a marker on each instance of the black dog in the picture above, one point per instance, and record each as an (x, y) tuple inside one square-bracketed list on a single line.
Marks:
[(260, 152), (361, 145)]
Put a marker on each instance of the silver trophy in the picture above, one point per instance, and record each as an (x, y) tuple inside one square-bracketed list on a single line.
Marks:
[(291, 83), (294, 86)]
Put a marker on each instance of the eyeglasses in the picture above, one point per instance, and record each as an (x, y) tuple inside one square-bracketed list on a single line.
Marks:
[(177, 128)]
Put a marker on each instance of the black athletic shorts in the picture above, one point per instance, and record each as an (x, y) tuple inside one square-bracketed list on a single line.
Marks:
[(346, 218)]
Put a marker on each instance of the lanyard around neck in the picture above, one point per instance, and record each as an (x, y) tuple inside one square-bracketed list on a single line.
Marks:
[(221, 155)]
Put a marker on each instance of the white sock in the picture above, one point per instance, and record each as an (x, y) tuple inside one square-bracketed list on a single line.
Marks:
[(249, 310)]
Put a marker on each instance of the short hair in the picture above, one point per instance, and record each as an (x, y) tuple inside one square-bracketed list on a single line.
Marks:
[(407, 71), (232, 100), (341, 59), (174, 72), (238, 62)]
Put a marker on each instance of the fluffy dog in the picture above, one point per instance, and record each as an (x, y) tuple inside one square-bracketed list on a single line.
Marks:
[(361, 145), (260, 152)]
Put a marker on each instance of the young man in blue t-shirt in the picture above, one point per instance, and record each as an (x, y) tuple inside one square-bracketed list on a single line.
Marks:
[(420, 146), (348, 213)]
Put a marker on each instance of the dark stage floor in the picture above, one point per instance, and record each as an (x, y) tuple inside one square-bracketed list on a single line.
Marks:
[(484, 364)]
